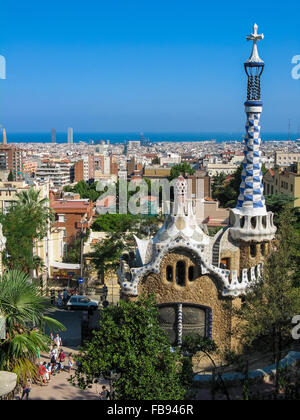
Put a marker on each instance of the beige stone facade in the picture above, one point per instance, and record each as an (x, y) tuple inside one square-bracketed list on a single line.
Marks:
[(203, 291), (284, 181)]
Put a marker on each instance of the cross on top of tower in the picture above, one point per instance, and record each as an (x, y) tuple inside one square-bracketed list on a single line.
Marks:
[(255, 37)]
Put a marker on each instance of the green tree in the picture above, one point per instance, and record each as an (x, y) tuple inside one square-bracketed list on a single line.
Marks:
[(26, 221), (38, 265), (227, 192), (276, 203), (218, 183), (156, 161), (73, 252), (106, 255), (195, 343), (85, 190), (127, 223), (131, 343), (10, 177), (23, 307), (115, 223), (181, 169), (269, 308)]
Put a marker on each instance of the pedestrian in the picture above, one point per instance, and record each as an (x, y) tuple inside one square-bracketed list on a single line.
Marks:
[(65, 297), (26, 390), (53, 360), (70, 362), (42, 372), (62, 358), (105, 394), (58, 341), (47, 376), (49, 370), (59, 300)]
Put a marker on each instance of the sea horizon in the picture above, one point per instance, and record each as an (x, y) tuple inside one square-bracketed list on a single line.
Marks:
[(154, 137)]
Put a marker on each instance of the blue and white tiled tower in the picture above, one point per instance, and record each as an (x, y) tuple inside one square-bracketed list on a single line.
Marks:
[(250, 220)]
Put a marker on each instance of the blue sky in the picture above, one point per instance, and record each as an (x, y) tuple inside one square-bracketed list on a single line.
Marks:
[(127, 65)]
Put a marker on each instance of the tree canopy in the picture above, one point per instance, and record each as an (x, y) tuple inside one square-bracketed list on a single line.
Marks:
[(131, 343), (181, 169), (227, 192), (26, 221), (85, 190)]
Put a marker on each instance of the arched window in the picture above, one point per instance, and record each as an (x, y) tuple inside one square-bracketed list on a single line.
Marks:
[(169, 273), (180, 273), (253, 250)]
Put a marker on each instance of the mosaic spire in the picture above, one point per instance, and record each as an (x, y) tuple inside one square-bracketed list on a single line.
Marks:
[(250, 221), (251, 199)]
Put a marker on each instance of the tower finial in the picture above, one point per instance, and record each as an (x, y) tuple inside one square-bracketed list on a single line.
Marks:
[(255, 37)]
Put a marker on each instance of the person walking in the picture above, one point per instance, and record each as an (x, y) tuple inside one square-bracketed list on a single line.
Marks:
[(62, 358), (49, 370), (42, 372), (65, 297), (27, 390), (47, 376), (105, 394), (53, 360), (70, 362), (58, 341), (59, 300)]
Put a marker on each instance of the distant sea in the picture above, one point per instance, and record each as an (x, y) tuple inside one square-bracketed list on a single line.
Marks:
[(153, 137)]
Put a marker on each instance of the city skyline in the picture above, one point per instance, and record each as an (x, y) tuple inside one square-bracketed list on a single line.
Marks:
[(163, 69)]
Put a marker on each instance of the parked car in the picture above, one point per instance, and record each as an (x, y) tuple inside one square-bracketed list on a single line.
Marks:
[(81, 302)]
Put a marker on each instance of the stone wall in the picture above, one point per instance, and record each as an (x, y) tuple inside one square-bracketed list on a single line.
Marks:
[(253, 254), (203, 290)]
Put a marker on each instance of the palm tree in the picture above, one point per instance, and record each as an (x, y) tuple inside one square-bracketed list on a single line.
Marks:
[(38, 265), (31, 199), (23, 307), (38, 208)]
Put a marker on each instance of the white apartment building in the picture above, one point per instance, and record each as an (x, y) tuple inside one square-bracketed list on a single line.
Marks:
[(59, 172), (286, 159), (214, 169), (171, 159)]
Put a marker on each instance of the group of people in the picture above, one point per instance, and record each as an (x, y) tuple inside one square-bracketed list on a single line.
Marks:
[(56, 365), (63, 298), (58, 356)]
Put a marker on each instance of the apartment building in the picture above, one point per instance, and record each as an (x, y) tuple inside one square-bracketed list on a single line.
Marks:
[(11, 159), (284, 181), (60, 172), (286, 159), (75, 216), (84, 169), (214, 169)]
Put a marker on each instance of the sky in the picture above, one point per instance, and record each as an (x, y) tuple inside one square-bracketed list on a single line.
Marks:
[(144, 66)]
